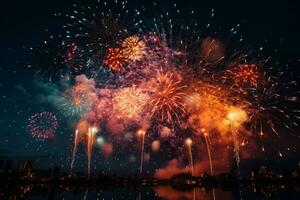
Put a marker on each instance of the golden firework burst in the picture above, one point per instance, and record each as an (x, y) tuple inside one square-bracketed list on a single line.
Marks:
[(129, 102), (134, 48)]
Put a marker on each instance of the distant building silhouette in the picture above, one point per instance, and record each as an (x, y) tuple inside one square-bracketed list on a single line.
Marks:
[(5, 165), (25, 165)]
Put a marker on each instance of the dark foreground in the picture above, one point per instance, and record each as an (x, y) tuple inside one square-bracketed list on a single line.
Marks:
[(15, 185), (261, 183), (88, 190)]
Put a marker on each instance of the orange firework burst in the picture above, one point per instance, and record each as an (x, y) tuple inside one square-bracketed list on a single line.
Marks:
[(115, 59), (166, 96), (129, 102), (201, 96), (134, 48), (208, 106), (204, 96), (209, 115), (246, 74)]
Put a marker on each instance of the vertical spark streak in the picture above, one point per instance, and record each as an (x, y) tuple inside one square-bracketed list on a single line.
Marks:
[(236, 117), (89, 150), (236, 147), (90, 143), (189, 142), (207, 142), (194, 193), (74, 149), (142, 133), (209, 154), (86, 194)]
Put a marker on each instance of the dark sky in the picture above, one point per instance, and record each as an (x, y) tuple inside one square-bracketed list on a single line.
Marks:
[(23, 24)]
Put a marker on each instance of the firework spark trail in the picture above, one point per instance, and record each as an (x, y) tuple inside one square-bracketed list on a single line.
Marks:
[(74, 149), (188, 143), (142, 153), (207, 142), (236, 148), (90, 142), (89, 150), (142, 134), (236, 117), (194, 193)]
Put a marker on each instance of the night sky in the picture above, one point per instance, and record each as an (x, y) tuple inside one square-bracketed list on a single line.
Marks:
[(25, 24)]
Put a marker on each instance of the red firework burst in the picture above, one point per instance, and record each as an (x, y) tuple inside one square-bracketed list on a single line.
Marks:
[(246, 74), (115, 59), (166, 96)]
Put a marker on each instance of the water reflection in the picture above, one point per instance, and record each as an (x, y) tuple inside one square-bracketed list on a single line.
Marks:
[(168, 193), (164, 192)]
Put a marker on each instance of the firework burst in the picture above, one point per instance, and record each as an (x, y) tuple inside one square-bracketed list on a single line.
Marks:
[(100, 25), (246, 75), (166, 96), (115, 59), (270, 110), (132, 77), (134, 48), (130, 102), (42, 125)]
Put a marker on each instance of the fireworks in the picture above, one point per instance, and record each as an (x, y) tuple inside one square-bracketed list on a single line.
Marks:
[(78, 99), (83, 92), (142, 134), (99, 25), (91, 135), (208, 106), (75, 148), (166, 96), (159, 82), (207, 142), (130, 102), (87, 134), (188, 143), (246, 74), (115, 59), (75, 103), (236, 117), (42, 125), (269, 110), (134, 48)]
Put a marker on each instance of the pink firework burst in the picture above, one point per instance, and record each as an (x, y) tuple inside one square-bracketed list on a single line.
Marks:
[(42, 125)]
